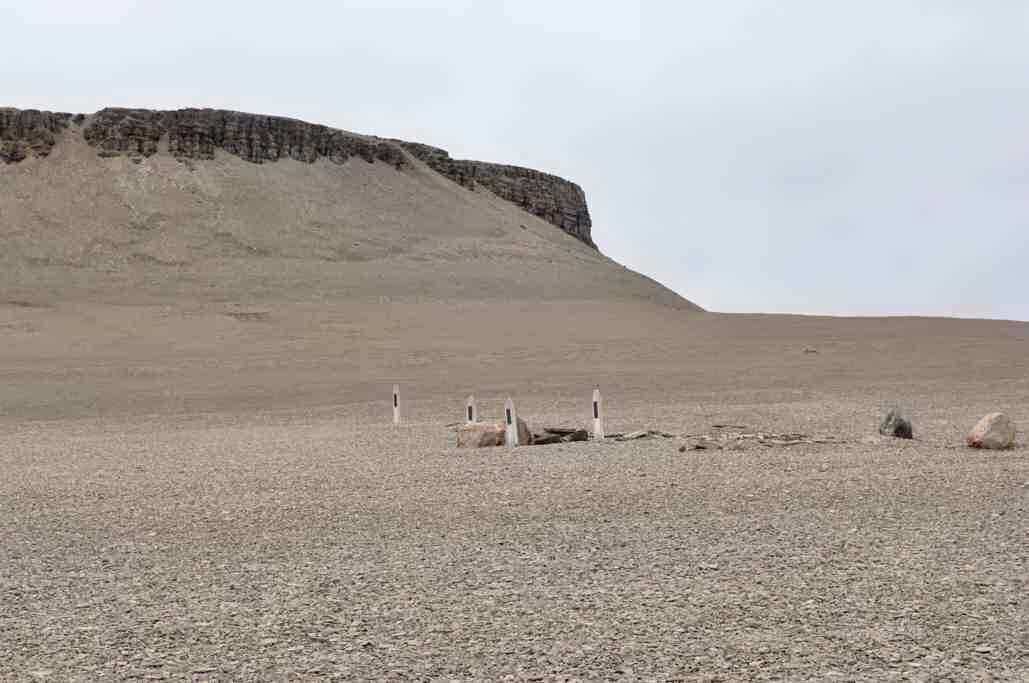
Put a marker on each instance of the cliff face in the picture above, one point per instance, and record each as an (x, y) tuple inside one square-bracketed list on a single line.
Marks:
[(29, 132), (555, 200), (199, 133)]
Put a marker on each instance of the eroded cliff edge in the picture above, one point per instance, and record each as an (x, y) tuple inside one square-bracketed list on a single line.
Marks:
[(555, 200), (199, 133)]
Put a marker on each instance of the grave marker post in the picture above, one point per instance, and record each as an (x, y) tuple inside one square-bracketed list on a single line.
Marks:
[(471, 413), (396, 404), (510, 424), (598, 415)]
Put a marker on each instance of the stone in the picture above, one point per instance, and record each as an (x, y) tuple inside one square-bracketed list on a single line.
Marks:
[(480, 435), (545, 439), (552, 435), (578, 435), (524, 433), (561, 431), (896, 425), (995, 431)]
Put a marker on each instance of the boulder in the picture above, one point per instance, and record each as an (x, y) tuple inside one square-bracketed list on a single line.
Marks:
[(490, 434), (480, 435), (896, 425), (996, 431)]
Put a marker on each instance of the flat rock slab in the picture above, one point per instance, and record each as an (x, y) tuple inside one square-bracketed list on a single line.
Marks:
[(552, 435)]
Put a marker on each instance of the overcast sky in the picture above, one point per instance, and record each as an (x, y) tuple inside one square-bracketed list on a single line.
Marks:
[(806, 156)]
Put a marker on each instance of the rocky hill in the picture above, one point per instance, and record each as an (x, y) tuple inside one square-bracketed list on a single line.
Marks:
[(185, 189)]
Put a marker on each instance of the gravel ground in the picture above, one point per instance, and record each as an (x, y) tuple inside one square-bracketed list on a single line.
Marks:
[(184, 494), (316, 546)]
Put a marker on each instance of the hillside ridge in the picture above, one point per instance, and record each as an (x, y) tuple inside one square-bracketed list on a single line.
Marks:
[(197, 133)]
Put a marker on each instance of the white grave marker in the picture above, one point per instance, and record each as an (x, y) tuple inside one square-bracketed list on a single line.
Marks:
[(470, 412), (511, 424), (598, 415), (396, 404)]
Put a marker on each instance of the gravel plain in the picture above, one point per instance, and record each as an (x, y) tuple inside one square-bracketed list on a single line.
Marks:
[(234, 540)]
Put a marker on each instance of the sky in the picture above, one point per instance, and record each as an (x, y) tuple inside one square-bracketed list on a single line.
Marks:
[(785, 157)]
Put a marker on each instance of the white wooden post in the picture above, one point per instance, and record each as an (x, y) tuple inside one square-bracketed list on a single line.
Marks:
[(511, 424), (471, 414), (598, 415), (396, 404)]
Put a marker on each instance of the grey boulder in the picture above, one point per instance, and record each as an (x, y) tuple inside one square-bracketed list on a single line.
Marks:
[(896, 425)]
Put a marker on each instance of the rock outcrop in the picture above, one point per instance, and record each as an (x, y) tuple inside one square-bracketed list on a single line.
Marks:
[(29, 132), (200, 133), (555, 200)]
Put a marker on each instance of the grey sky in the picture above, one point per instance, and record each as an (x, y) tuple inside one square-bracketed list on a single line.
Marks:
[(806, 156)]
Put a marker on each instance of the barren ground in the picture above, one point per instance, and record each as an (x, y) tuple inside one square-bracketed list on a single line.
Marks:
[(215, 492)]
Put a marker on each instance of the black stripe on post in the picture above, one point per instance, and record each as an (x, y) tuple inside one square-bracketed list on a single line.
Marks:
[(508, 411), (469, 413), (395, 404), (596, 411)]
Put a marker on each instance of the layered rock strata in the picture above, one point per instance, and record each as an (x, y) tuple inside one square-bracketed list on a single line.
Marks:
[(29, 132), (198, 133), (555, 200)]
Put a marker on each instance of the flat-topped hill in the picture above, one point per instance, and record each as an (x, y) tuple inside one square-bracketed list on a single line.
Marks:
[(135, 205)]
